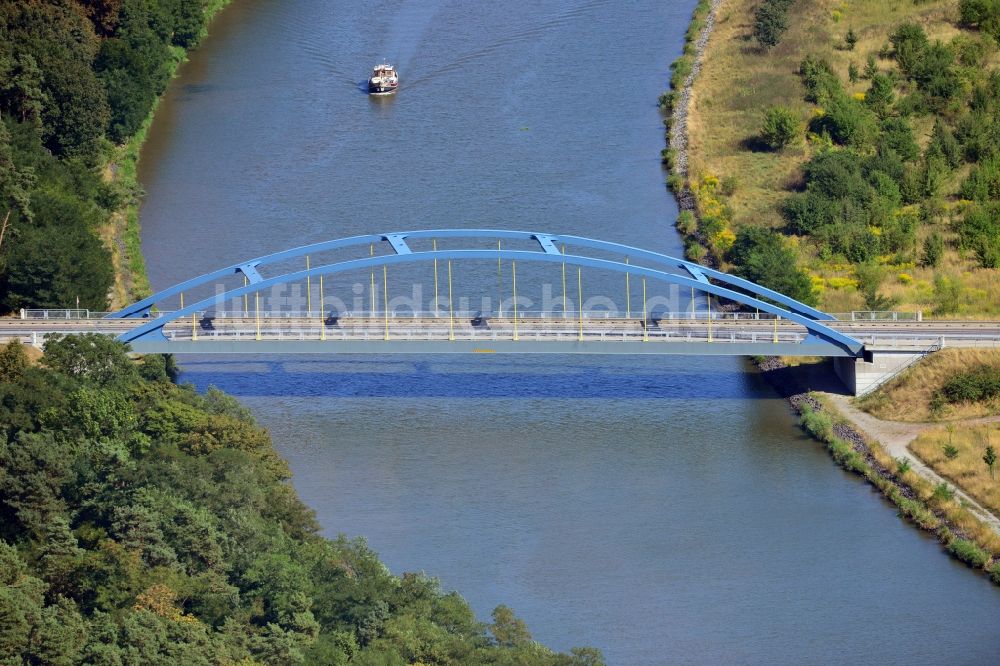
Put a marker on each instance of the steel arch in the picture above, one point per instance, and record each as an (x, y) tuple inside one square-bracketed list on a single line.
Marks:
[(548, 252)]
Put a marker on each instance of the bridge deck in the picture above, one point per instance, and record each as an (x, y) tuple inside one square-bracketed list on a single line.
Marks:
[(428, 334)]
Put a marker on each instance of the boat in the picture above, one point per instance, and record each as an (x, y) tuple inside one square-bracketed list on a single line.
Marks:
[(383, 80)]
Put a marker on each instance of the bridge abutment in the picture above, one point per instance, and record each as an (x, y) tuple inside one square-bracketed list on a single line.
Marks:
[(863, 375)]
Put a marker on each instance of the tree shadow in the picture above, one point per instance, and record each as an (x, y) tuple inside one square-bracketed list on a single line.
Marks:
[(755, 144)]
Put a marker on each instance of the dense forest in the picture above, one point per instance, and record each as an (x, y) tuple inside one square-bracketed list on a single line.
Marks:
[(143, 523), (76, 78)]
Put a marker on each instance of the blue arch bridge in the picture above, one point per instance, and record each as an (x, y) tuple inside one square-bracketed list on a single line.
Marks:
[(341, 296), (721, 314)]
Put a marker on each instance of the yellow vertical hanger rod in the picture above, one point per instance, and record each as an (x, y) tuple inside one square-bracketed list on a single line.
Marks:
[(371, 252), (256, 299), (513, 278), (564, 282), (437, 303), (628, 294), (708, 304), (499, 283), (579, 294), (451, 308), (385, 298), (645, 318), (322, 311)]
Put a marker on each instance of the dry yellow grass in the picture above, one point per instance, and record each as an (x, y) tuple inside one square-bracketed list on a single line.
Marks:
[(738, 83), (967, 470), (908, 397)]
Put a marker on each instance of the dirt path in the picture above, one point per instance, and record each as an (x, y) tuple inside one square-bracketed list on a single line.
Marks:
[(896, 437)]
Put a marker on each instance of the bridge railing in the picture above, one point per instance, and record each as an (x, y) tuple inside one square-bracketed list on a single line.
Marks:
[(507, 313), (62, 314), (879, 315), (372, 331)]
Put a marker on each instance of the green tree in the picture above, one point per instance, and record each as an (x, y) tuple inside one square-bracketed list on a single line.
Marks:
[(509, 630), (990, 458), (761, 255), (850, 39), (21, 87), (770, 22), (909, 43), (870, 277), (979, 231), (880, 95), (871, 67), (933, 250), (15, 182), (897, 136), (780, 127), (944, 144), (13, 361), (947, 294), (91, 356)]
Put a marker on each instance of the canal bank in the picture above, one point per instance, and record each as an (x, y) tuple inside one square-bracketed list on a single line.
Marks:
[(122, 233)]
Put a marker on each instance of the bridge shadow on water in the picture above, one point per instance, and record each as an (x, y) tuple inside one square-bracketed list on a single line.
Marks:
[(684, 378)]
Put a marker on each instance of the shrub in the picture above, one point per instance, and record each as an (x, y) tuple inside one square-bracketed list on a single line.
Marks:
[(943, 492), (819, 79), (675, 182), (982, 13), (780, 127), (969, 553), (902, 466), (976, 385), (686, 222), (817, 424), (729, 185), (870, 277), (848, 123), (918, 513), (947, 294), (983, 184)]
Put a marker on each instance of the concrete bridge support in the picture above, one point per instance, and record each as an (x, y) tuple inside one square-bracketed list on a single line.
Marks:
[(877, 366)]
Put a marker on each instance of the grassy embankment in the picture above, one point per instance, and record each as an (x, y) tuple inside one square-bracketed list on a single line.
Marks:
[(911, 397), (932, 508), (965, 468), (121, 234), (728, 169)]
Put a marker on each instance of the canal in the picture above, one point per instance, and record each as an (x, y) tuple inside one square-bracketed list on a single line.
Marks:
[(663, 510)]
